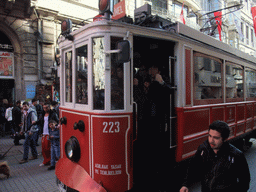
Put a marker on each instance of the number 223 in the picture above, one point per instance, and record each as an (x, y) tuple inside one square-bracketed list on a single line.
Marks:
[(111, 127)]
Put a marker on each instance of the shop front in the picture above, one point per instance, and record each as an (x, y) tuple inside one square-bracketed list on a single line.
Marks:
[(7, 82)]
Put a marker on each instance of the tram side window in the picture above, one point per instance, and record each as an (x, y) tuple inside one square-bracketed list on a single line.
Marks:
[(68, 73), (82, 75), (250, 83), (117, 79), (234, 81), (207, 78), (98, 73)]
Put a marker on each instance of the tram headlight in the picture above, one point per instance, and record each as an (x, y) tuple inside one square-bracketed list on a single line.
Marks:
[(106, 6), (72, 149)]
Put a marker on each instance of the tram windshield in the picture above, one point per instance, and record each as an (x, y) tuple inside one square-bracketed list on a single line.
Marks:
[(98, 73), (82, 75), (117, 79), (68, 73)]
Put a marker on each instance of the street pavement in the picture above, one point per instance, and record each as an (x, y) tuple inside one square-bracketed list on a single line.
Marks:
[(28, 177)]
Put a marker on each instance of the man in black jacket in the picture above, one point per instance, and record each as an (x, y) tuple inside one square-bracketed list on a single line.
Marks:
[(17, 121), (222, 167)]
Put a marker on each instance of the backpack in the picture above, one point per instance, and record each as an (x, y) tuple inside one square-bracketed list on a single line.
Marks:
[(8, 114)]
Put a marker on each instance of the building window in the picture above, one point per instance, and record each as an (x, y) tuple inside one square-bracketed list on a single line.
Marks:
[(236, 42), (176, 9), (252, 38), (247, 34), (242, 30), (159, 3)]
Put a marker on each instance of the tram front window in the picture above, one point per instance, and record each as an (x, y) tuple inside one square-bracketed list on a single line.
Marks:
[(98, 73), (117, 79), (68, 78), (82, 75)]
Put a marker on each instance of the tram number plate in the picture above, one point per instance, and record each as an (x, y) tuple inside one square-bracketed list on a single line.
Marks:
[(62, 187)]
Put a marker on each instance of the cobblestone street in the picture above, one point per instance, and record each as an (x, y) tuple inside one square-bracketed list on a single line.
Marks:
[(28, 177)]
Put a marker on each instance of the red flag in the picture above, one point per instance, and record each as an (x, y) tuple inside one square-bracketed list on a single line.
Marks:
[(253, 9), (218, 18), (181, 14)]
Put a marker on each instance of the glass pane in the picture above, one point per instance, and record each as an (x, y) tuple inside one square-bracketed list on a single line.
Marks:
[(250, 83), (207, 78), (98, 73), (82, 75), (68, 72), (117, 79), (234, 81)]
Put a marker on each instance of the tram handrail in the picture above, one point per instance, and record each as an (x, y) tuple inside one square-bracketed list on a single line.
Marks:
[(136, 112)]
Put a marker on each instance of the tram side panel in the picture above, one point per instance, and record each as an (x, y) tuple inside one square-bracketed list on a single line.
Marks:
[(105, 162), (193, 124), (111, 151)]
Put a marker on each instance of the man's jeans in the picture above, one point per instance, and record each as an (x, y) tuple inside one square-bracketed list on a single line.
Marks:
[(30, 142), (55, 152)]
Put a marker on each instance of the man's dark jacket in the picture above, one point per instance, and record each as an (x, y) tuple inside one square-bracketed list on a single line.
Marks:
[(52, 116), (226, 171), (16, 117)]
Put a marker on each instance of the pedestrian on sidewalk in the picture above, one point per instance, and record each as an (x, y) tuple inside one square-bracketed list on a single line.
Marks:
[(221, 166), (2, 117), (55, 143), (55, 107), (39, 110), (9, 123), (17, 121), (30, 130), (46, 117)]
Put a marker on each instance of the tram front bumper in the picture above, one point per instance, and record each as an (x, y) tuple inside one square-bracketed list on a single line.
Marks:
[(74, 176)]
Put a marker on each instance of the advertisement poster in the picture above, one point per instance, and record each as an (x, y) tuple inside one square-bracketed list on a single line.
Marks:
[(6, 64)]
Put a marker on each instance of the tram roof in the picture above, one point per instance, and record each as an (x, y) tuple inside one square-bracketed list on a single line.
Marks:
[(179, 30)]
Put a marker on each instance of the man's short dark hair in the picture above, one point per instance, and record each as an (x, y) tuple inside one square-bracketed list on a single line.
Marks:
[(34, 100), (48, 104), (222, 127), (52, 121), (54, 102), (25, 103)]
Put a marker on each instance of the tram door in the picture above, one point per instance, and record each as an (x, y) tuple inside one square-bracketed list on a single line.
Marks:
[(151, 66)]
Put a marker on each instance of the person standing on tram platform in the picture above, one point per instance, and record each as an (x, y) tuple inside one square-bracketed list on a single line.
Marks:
[(153, 144), (221, 166)]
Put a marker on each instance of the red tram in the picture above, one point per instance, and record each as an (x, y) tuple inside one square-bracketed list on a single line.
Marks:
[(211, 81)]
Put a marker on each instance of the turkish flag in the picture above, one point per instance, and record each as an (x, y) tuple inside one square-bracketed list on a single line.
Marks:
[(253, 9), (218, 18), (182, 15)]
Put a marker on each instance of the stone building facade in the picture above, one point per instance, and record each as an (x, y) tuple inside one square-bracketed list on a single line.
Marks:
[(28, 33), (29, 30)]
